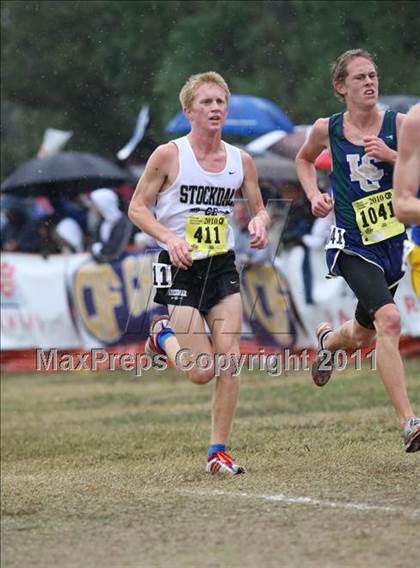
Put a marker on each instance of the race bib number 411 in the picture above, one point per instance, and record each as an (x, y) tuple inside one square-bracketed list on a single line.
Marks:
[(207, 233), (376, 219)]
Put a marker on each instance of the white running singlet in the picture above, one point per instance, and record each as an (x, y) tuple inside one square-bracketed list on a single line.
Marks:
[(199, 204)]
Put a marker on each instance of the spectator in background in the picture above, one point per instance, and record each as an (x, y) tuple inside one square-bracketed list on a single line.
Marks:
[(297, 230), (20, 233), (114, 229), (299, 220), (245, 255), (69, 236), (76, 208), (45, 228)]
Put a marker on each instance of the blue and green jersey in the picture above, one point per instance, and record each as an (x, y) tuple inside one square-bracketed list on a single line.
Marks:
[(362, 191)]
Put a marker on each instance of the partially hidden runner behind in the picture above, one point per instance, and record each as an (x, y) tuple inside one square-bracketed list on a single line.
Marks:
[(366, 242), (406, 197), (407, 170), (192, 182)]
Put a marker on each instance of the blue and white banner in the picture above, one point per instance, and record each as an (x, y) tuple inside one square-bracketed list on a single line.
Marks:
[(72, 302)]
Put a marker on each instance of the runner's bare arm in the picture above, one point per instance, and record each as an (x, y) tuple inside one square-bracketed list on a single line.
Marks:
[(407, 170), (321, 203), (400, 120), (151, 182), (260, 220)]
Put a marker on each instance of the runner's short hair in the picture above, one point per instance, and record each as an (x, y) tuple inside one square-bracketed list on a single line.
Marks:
[(189, 90), (339, 66)]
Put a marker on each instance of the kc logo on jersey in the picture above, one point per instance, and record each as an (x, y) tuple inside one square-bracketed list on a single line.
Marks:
[(366, 173)]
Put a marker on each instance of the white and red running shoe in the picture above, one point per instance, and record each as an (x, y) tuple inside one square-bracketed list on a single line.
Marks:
[(151, 346), (412, 434), (322, 367), (221, 462)]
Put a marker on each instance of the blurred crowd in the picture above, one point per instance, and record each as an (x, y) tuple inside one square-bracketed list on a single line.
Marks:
[(95, 222), (98, 223)]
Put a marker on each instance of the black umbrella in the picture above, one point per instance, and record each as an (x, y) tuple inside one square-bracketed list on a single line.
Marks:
[(279, 169), (272, 166), (65, 173), (290, 144)]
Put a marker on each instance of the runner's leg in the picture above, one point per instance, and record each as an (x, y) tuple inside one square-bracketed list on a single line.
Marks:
[(189, 342), (224, 321), (390, 365), (376, 303)]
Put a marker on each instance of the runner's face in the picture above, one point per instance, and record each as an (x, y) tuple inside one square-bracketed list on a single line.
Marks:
[(360, 87), (209, 108)]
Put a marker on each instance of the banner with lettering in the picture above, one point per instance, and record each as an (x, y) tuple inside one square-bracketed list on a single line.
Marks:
[(35, 308), (112, 303), (71, 302)]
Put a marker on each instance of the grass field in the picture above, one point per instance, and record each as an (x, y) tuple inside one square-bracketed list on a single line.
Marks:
[(108, 470)]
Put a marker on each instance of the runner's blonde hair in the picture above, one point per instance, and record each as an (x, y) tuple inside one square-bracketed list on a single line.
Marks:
[(189, 90)]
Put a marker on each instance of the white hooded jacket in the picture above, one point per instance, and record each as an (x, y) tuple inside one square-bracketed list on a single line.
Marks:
[(115, 229)]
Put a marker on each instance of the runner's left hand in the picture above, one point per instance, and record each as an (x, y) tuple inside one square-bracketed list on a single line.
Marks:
[(258, 233), (376, 148)]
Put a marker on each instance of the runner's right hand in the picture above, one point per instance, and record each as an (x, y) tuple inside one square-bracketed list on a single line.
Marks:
[(321, 204), (179, 252)]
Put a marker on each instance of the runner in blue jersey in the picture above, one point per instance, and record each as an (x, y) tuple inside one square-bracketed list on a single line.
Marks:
[(366, 240)]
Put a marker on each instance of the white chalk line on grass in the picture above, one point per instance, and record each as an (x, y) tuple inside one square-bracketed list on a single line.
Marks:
[(311, 501)]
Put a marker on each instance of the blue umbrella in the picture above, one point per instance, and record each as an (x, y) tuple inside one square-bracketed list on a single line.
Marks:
[(247, 116)]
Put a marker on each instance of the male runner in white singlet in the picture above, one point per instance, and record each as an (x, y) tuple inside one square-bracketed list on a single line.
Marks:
[(192, 182)]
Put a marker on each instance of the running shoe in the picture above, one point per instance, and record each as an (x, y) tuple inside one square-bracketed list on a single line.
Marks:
[(151, 346), (322, 367), (412, 434), (221, 462)]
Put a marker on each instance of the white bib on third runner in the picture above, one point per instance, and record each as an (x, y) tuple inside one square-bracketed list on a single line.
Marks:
[(196, 196)]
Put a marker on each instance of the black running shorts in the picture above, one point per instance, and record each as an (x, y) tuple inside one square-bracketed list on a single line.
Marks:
[(369, 284), (203, 285)]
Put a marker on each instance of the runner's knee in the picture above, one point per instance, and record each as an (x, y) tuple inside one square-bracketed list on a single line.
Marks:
[(201, 376), (388, 320)]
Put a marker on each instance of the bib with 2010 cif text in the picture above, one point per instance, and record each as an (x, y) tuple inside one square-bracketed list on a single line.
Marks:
[(376, 219), (207, 234)]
